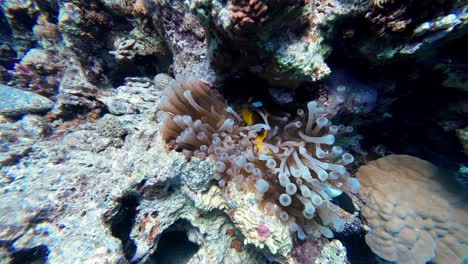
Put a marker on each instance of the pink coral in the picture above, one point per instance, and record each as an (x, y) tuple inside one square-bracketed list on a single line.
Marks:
[(263, 232)]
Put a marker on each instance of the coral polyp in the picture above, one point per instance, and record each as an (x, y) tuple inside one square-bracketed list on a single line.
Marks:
[(290, 163)]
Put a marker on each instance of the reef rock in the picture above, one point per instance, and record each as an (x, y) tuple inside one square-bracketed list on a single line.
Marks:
[(278, 40), (16, 102), (73, 186), (113, 197)]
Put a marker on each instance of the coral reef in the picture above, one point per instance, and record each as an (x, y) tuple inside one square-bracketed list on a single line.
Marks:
[(46, 32), (156, 216), (290, 163), (186, 39), (277, 40), (108, 126), (76, 92), (73, 185), (259, 228), (414, 215), (162, 80), (21, 16), (317, 251), (17, 139), (119, 102), (400, 29), (137, 44), (245, 13), (88, 174)]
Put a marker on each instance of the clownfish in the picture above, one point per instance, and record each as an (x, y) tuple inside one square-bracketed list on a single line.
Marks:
[(249, 117)]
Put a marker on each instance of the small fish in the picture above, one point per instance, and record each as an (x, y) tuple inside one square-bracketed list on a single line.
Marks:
[(248, 115), (260, 137), (257, 104)]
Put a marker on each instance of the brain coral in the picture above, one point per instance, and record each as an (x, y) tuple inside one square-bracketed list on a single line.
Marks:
[(412, 212), (289, 163)]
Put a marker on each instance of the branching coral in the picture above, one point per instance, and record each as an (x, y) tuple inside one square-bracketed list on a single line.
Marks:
[(290, 163)]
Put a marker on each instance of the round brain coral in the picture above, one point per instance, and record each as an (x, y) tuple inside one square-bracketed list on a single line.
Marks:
[(413, 214), (290, 163)]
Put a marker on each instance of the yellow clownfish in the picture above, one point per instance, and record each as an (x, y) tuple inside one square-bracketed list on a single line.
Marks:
[(249, 118)]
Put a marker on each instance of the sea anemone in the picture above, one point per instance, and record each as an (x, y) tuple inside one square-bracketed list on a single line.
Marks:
[(290, 163)]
